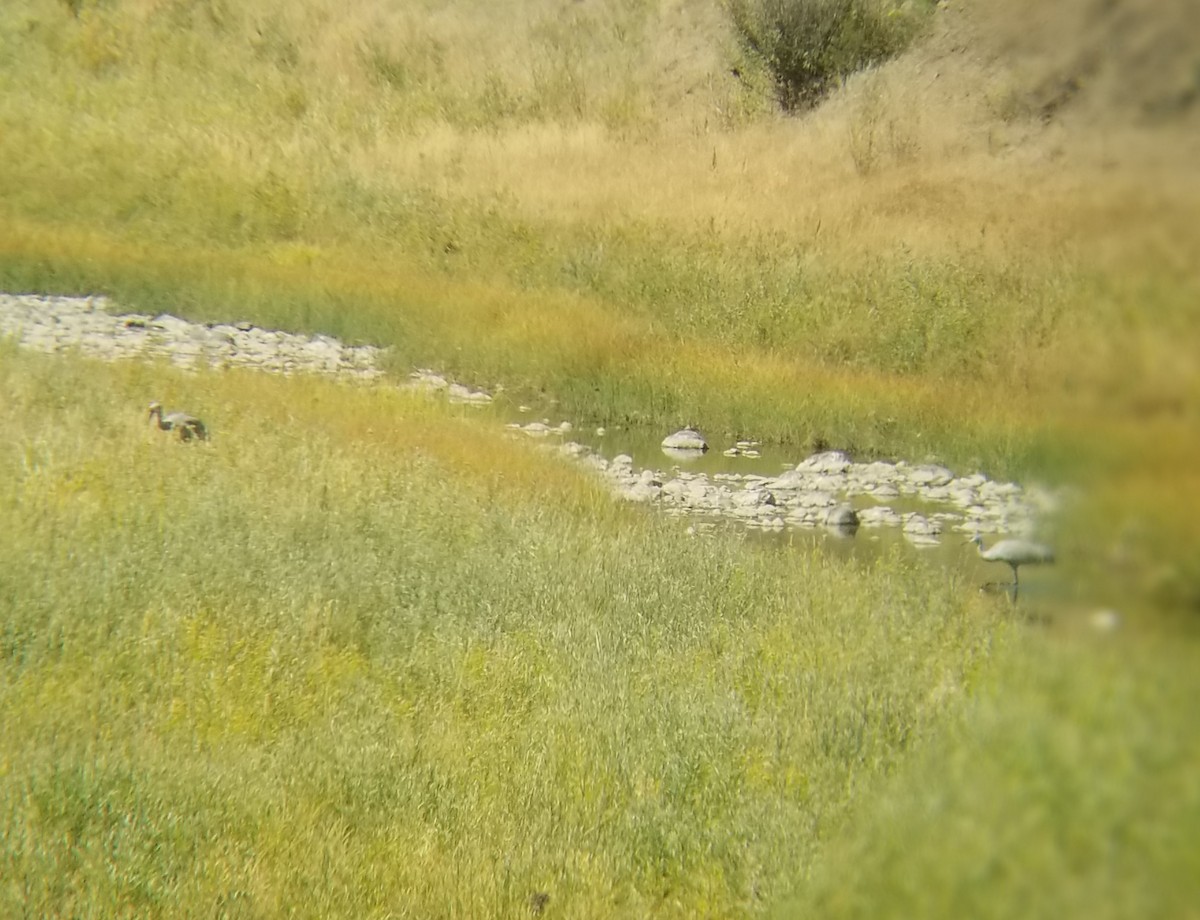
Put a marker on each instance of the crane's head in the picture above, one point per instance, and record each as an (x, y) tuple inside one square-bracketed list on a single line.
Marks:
[(155, 406), (975, 538)]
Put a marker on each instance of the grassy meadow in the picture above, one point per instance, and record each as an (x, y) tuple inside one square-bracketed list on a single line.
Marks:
[(363, 656)]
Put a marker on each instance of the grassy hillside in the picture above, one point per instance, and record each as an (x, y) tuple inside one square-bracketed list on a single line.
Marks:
[(892, 231), (360, 656)]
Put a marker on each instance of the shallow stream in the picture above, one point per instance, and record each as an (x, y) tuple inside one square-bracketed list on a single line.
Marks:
[(1042, 587), (708, 490)]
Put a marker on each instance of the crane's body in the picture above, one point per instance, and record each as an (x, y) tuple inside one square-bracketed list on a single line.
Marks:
[(188, 426), (1014, 552)]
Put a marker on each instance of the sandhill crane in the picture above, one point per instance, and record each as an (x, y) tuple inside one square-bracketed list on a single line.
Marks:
[(1016, 553), (188, 426)]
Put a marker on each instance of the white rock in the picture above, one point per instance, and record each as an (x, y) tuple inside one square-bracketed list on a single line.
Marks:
[(815, 499), (930, 475), (918, 524), (879, 516), (641, 492), (831, 461), (685, 439), (1105, 620), (752, 498)]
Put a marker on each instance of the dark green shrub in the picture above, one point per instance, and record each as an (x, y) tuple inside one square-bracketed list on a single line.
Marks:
[(810, 45)]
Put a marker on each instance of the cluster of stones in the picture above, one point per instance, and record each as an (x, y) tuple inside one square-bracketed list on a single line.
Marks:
[(541, 429), (744, 448), (823, 490), (433, 382), (87, 325)]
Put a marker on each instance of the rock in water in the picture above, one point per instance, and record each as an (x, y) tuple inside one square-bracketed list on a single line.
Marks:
[(685, 439), (843, 520)]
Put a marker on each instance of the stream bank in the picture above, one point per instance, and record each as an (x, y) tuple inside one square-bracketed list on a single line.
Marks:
[(760, 489)]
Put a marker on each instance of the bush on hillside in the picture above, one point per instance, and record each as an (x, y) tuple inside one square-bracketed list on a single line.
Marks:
[(810, 45)]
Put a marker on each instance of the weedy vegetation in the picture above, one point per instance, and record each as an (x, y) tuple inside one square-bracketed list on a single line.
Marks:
[(362, 656)]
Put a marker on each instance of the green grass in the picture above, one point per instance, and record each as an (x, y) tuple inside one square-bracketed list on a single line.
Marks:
[(361, 655), (822, 375), (334, 663), (1062, 792)]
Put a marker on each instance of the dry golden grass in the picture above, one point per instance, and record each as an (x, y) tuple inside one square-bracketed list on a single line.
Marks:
[(938, 153)]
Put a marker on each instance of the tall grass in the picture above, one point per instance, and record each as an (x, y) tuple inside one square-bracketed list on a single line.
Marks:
[(1060, 793), (362, 656), (263, 129), (355, 657), (599, 362)]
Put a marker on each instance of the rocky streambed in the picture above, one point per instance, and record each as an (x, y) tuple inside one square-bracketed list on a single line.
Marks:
[(89, 325), (828, 489), (925, 502), (922, 501)]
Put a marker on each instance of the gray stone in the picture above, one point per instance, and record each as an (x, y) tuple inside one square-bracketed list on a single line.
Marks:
[(815, 499), (683, 455), (930, 475), (685, 439), (843, 516), (831, 461), (919, 524), (641, 492), (753, 498), (879, 516)]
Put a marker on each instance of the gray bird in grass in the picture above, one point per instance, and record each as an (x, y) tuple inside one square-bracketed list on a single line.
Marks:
[(188, 426), (1015, 552)]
